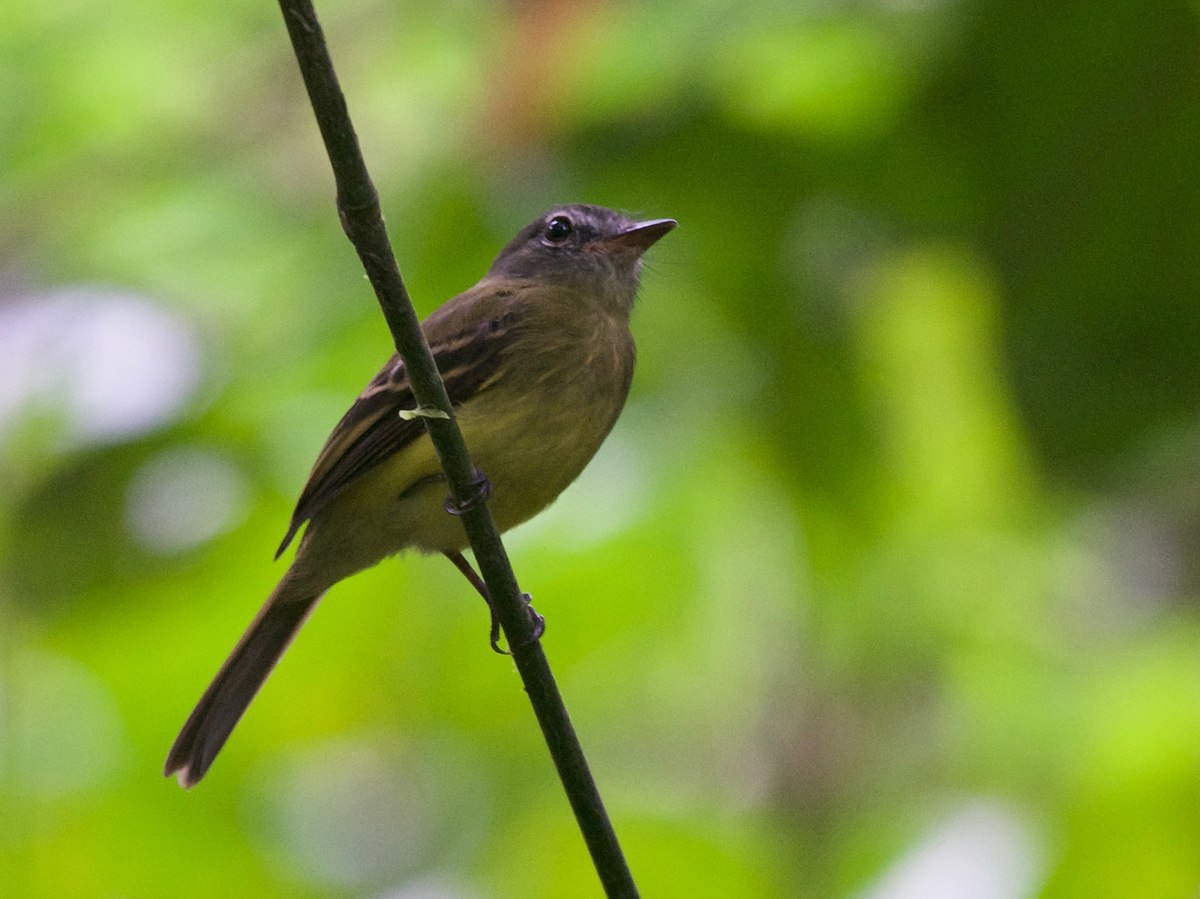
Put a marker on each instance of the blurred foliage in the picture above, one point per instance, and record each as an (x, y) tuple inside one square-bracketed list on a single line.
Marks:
[(885, 585)]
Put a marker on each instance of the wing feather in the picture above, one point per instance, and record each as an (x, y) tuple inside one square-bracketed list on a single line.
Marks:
[(372, 430)]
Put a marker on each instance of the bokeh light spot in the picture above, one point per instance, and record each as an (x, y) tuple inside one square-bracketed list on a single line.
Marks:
[(356, 813), (985, 849), (184, 497), (61, 726), (110, 364)]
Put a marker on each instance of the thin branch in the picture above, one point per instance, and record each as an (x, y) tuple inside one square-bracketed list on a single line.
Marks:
[(362, 220)]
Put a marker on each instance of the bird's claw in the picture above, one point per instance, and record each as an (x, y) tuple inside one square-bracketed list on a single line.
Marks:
[(537, 621), (481, 489)]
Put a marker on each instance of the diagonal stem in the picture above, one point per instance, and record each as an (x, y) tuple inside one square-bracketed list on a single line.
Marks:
[(362, 220)]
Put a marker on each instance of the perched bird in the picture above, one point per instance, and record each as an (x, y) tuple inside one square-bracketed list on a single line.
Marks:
[(537, 359)]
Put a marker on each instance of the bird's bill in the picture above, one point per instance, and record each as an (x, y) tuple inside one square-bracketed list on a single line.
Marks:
[(642, 235)]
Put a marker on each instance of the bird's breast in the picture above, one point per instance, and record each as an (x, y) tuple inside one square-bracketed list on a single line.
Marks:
[(533, 431)]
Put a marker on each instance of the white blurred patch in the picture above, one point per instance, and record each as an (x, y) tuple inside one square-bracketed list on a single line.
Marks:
[(608, 498), (985, 849), (349, 818), (61, 728), (361, 813), (110, 364), (184, 497), (432, 887)]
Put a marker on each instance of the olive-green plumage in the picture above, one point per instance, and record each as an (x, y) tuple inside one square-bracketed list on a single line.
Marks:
[(537, 359)]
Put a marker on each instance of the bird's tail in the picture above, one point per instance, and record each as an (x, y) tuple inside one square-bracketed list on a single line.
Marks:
[(222, 705)]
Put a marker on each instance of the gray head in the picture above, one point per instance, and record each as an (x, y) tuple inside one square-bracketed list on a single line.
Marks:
[(586, 248)]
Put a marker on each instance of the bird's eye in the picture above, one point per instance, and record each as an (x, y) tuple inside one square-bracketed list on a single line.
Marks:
[(559, 229)]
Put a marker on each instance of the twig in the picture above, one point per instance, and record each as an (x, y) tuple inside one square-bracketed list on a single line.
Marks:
[(362, 220)]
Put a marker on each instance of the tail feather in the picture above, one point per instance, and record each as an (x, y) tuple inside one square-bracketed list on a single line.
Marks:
[(229, 694)]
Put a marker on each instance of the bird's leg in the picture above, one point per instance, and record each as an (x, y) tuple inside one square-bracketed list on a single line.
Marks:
[(461, 563), (539, 623)]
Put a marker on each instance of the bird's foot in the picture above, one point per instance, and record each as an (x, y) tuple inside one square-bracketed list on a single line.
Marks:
[(537, 624), (481, 489), (536, 621)]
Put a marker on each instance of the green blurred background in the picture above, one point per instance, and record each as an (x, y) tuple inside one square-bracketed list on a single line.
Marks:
[(884, 586)]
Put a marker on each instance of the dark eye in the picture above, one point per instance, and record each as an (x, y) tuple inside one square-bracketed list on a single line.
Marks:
[(559, 229)]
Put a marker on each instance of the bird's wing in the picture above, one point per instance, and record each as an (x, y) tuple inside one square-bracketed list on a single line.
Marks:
[(372, 430)]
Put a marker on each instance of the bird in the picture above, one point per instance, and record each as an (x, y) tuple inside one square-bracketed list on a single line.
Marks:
[(537, 359)]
